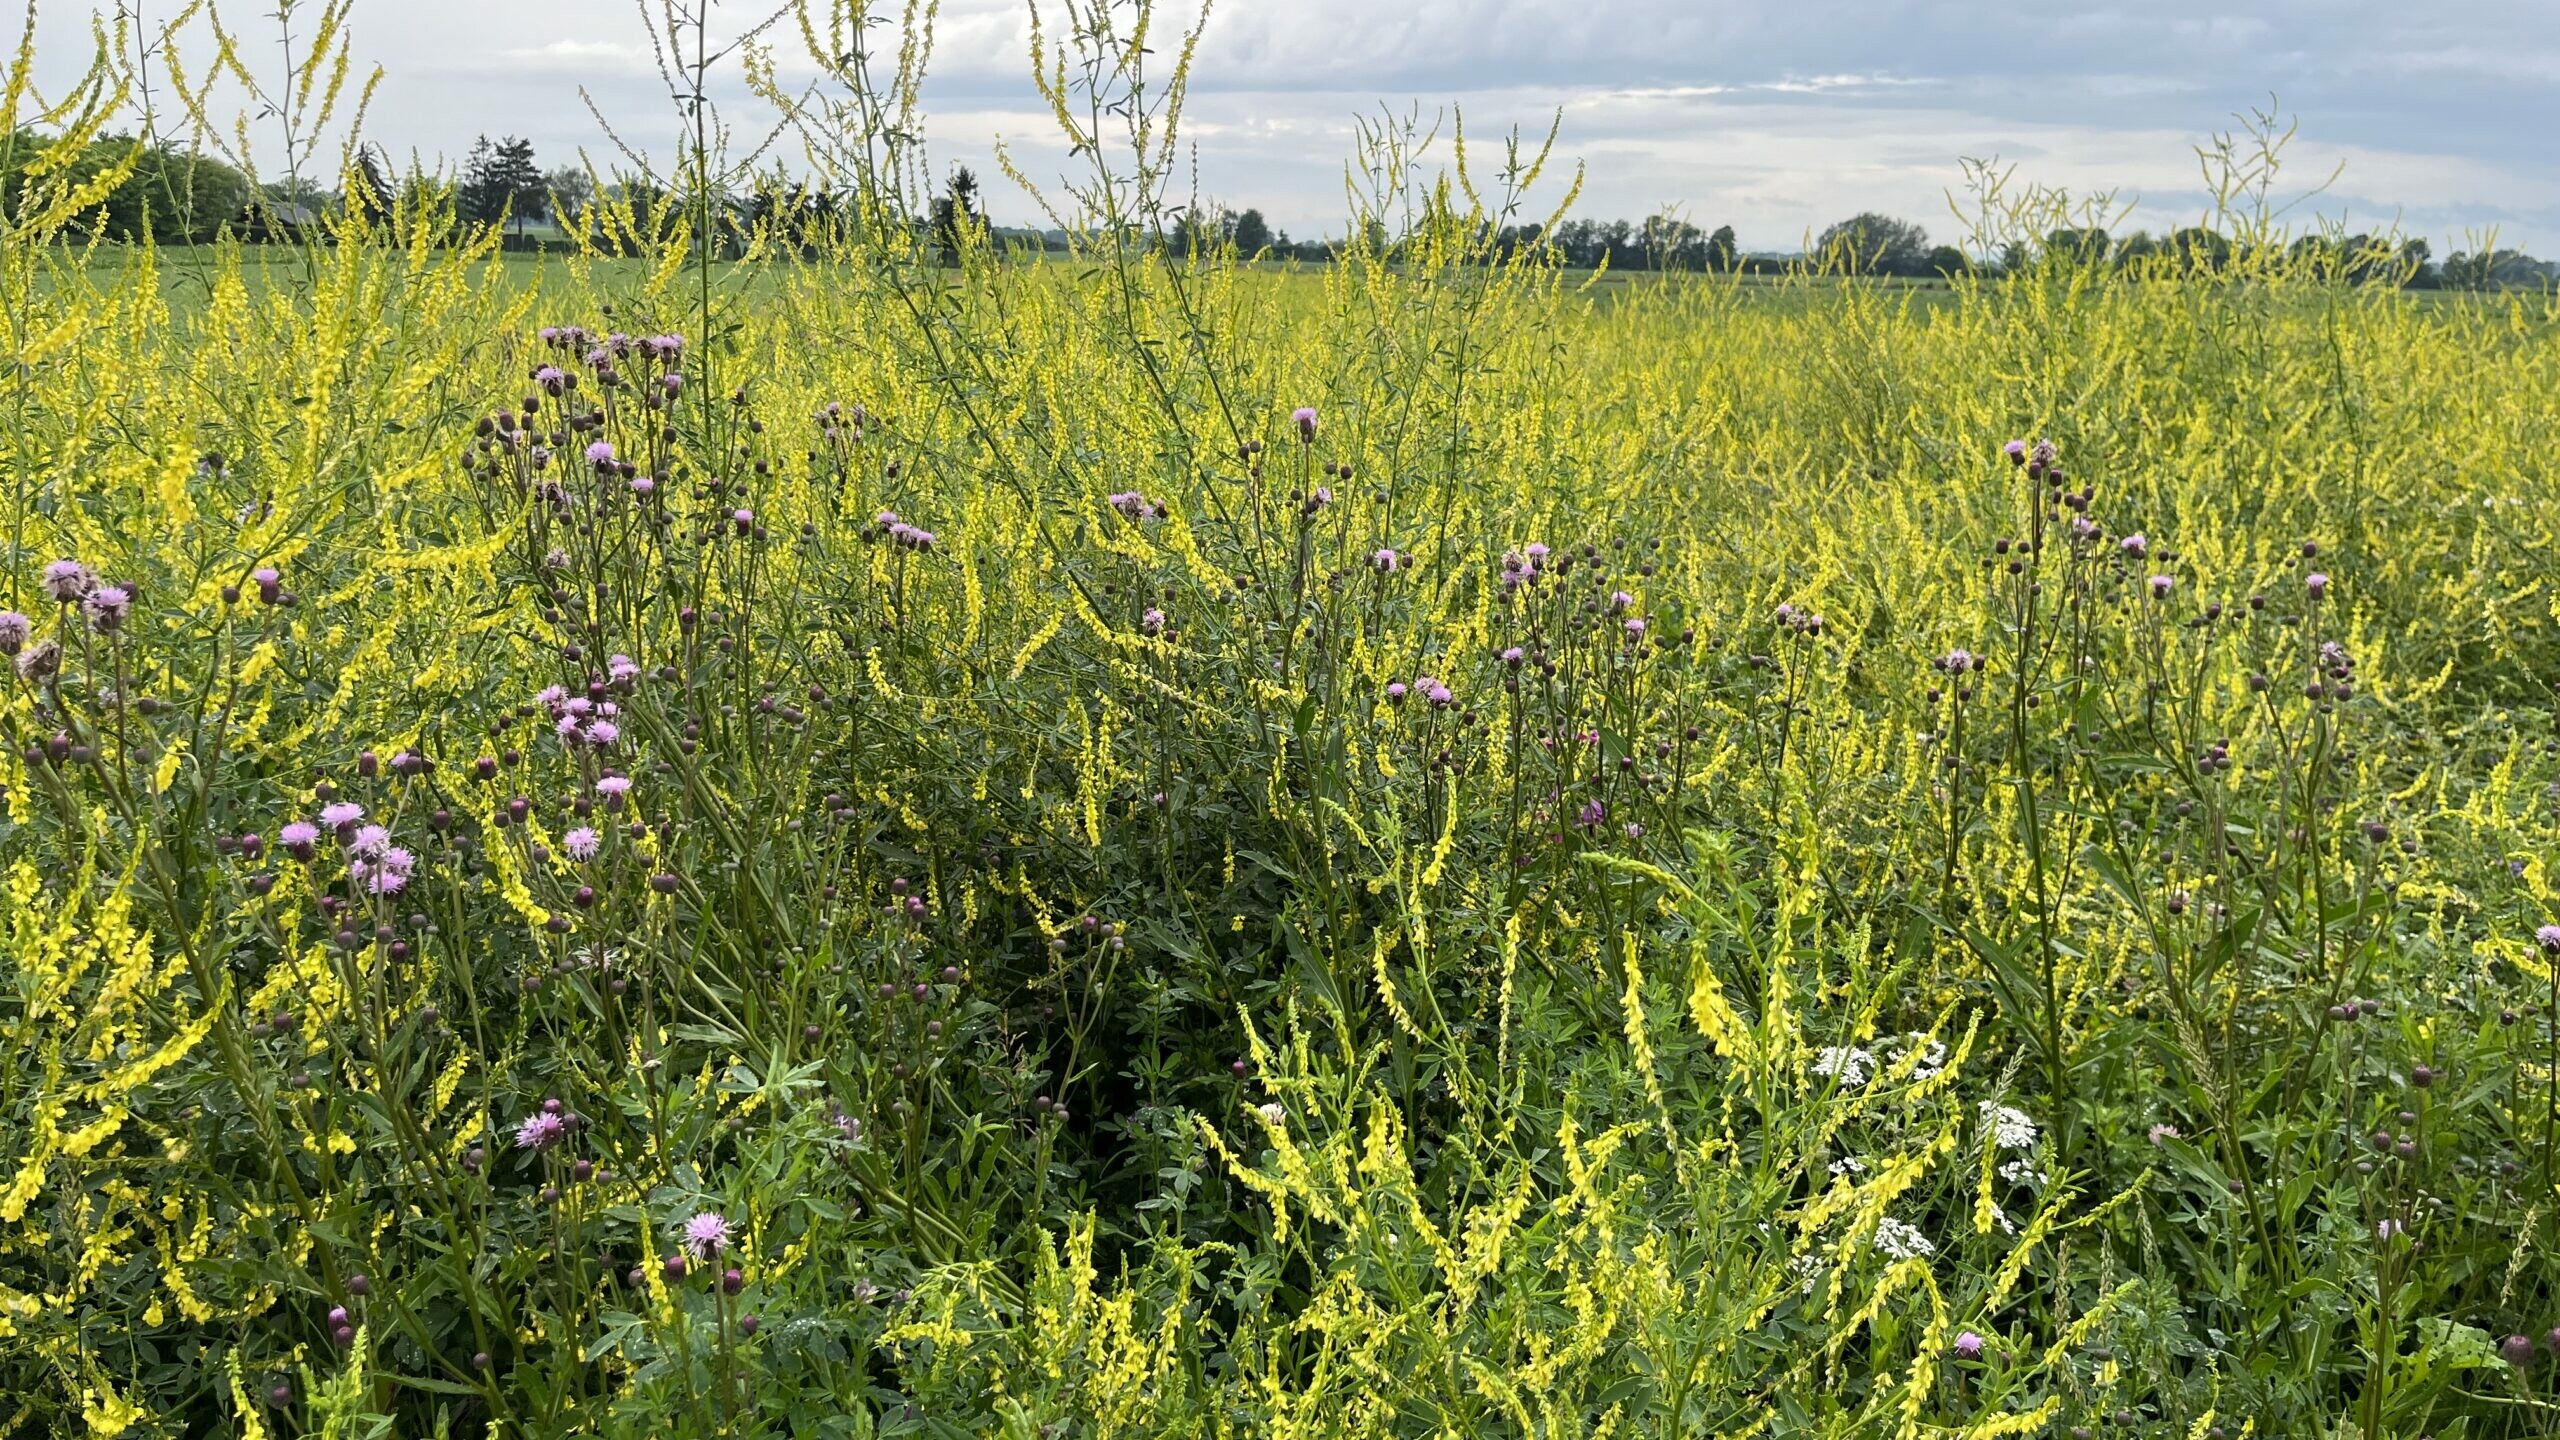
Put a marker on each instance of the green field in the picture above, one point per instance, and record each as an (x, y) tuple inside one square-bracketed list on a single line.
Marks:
[(891, 844)]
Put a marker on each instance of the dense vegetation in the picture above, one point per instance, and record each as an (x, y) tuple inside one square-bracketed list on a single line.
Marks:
[(894, 840)]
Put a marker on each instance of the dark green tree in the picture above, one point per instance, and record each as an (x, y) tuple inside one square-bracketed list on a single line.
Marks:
[(1873, 244), (501, 182), (956, 214), (1722, 250), (1250, 232)]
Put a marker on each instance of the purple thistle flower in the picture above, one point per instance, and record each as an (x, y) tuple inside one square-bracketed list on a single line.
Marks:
[(298, 837), (1513, 656), (68, 580), (1395, 693), (2316, 583), (582, 844), (1635, 628), (2016, 450), (2549, 935), (1386, 561), (602, 733), (1305, 415), (388, 874), (1968, 1345), (1620, 600), (601, 453), (622, 667), (1152, 622), (341, 814), (1592, 814), (2135, 545), (540, 1130), (106, 606), (614, 786), (14, 630), (40, 660), (372, 841), (706, 1234), (2160, 587), (1536, 552)]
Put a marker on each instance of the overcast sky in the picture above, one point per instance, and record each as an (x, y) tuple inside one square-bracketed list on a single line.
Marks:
[(1776, 118)]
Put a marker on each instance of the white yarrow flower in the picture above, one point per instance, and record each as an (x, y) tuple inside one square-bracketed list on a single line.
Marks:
[(2011, 1129), (1850, 1063), (1900, 1240)]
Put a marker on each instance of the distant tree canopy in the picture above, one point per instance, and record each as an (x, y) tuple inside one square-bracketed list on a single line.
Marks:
[(173, 197), (1873, 244), (956, 213), (170, 196), (502, 182)]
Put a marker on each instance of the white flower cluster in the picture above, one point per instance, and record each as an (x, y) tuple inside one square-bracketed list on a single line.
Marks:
[(2011, 1129), (1901, 1240), (1850, 1063), (1933, 1055), (1809, 1270)]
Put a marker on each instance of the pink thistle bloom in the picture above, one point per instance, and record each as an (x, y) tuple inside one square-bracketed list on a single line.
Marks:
[(582, 843), (1386, 561), (540, 1130), (1536, 552), (2160, 587), (1152, 622), (1620, 600), (106, 605), (2136, 545), (601, 452), (1968, 1345), (551, 697), (1592, 814), (68, 580), (567, 728), (1395, 693), (2549, 935), (372, 840), (602, 733), (1305, 415), (2016, 450), (297, 837), (1635, 628), (14, 630), (344, 813), (706, 1234), (623, 667), (614, 785), (2317, 584), (387, 875)]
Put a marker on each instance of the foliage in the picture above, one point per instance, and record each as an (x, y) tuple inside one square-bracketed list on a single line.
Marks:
[(889, 838)]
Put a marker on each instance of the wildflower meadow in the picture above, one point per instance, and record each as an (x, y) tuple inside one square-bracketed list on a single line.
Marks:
[(857, 831)]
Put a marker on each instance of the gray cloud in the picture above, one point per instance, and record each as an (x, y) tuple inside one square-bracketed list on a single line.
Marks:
[(1775, 117)]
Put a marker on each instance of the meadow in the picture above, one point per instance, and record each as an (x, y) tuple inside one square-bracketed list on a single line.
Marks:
[(909, 841)]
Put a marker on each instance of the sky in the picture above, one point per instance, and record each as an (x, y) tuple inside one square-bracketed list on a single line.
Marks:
[(1776, 117)]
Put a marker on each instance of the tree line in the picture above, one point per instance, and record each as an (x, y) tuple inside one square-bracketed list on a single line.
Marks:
[(179, 198)]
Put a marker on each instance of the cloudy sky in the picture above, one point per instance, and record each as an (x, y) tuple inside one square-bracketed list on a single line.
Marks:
[(1774, 116)]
